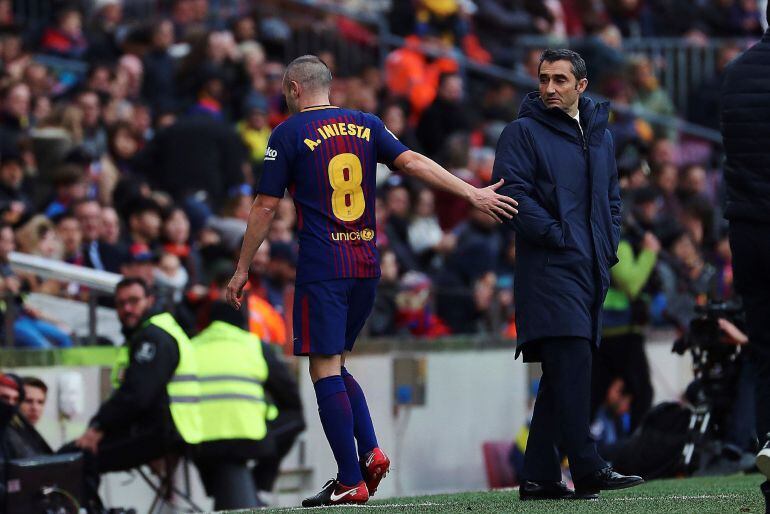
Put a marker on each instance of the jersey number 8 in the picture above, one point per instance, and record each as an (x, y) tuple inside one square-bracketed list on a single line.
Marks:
[(345, 176)]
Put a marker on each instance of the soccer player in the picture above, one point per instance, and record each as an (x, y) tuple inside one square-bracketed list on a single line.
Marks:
[(326, 156)]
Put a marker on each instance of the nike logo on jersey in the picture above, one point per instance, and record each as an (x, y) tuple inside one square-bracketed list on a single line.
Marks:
[(337, 497)]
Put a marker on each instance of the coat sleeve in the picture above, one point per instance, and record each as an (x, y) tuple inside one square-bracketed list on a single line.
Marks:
[(152, 365), (614, 197), (515, 163)]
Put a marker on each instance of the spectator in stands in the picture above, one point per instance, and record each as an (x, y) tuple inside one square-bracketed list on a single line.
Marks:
[(649, 95), (70, 185), (98, 254), (118, 161), (159, 86), (94, 133), (414, 314), (15, 206), (255, 131), (685, 278), (144, 217), (105, 31), (65, 39), (70, 234), (176, 238), (110, 226), (397, 204), (427, 240), (31, 328), (448, 114), (498, 22), (704, 103), (382, 321), (476, 253), (35, 395), (15, 104), (39, 237), (198, 178), (394, 116)]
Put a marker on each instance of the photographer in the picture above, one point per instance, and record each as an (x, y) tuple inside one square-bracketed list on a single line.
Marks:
[(724, 384)]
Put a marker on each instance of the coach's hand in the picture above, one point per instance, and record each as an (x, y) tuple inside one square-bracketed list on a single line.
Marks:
[(235, 289), (498, 206)]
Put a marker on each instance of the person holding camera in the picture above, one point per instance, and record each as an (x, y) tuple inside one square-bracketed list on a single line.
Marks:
[(746, 136)]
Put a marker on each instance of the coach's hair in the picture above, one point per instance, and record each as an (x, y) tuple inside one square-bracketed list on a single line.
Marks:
[(563, 54), (310, 72)]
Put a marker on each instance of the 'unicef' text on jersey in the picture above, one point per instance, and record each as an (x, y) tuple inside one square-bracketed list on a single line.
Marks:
[(327, 158)]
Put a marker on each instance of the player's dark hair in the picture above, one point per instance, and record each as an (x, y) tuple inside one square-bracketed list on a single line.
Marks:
[(35, 382), (564, 54), (133, 281), (309, 71)]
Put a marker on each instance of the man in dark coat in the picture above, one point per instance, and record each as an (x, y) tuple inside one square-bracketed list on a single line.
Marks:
[(558, 162), (745, 121)]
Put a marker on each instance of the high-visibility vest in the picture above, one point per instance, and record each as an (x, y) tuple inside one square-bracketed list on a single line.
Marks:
[(183, 389), (231, 372)]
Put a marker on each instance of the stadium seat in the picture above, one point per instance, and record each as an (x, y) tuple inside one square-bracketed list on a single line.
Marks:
[(499, 471)]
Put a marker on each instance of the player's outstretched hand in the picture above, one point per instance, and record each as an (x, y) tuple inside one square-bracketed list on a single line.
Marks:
[(234, 293), (498, 206)]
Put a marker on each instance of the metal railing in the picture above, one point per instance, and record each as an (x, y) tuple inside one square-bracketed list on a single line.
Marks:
[(98, 282), (680, 65)]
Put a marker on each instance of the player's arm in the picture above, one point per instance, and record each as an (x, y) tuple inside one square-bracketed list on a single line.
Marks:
[(485, 199), (260, 218)]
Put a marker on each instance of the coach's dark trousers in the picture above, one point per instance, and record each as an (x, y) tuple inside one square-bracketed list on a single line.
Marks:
[(750, 245), (562, 408)]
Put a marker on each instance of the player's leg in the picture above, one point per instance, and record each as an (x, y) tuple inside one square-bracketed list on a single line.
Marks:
[(374, 463), (320, 310)]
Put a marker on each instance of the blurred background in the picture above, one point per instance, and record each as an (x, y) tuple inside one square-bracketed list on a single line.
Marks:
[(132, 134)]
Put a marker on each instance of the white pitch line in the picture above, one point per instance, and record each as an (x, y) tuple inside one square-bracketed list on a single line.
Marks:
[(691, 497)]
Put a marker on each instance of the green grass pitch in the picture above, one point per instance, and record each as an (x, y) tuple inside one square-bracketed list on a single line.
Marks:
[(739, 493)]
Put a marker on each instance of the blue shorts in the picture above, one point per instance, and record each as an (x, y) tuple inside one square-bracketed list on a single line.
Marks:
[(329, 314)]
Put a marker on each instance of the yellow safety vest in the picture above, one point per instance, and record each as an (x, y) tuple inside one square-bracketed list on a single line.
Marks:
[(231, 372), (184, 394)]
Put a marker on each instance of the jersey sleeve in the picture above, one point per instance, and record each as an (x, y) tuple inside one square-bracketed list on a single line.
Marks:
[(388, 145), (276, 174)]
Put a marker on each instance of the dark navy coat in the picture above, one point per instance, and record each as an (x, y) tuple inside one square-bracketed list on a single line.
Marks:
[(568, 226)]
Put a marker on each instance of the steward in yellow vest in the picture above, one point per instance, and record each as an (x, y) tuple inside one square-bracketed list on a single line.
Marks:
[(250, 406), (153, 411)]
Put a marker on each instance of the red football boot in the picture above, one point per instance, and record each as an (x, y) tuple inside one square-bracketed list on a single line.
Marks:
[(374, 467), (335, 493)]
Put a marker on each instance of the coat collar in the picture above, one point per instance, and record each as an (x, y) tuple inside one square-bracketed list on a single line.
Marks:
[(593, 117)]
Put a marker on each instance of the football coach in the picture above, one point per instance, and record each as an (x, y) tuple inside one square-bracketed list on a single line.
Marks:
[(558, 161)]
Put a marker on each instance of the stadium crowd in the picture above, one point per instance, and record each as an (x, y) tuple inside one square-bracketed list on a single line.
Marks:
[(134, 145)]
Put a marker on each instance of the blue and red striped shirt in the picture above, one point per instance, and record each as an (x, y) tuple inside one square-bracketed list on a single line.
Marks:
[(327, 158)]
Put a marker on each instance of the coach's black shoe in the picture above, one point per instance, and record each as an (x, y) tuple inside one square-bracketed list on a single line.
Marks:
[(335, 493), (604, 480), (544, 490)]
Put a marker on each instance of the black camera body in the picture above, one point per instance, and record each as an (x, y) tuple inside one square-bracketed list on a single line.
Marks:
[(715, 363)]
